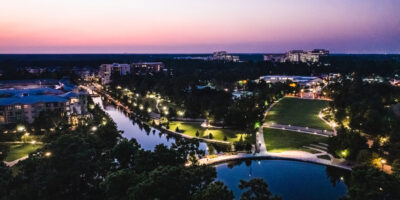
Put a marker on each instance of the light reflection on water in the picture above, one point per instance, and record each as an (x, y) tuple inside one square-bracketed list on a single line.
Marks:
[(147, 137)]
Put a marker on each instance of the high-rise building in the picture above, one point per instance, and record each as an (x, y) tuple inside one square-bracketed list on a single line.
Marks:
[(106, 70)]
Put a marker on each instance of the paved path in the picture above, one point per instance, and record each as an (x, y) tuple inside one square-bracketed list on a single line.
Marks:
[(260, 143), (12, 163), (289, 155), (299, 129)]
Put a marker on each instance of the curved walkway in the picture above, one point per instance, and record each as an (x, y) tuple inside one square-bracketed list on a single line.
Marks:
[(12, 163), (299, 129), (288, 155)]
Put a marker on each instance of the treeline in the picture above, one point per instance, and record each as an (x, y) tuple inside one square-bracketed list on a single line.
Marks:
[(364, 111), (251, 68)]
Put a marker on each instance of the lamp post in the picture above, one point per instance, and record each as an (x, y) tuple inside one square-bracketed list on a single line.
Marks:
[(383, 161)]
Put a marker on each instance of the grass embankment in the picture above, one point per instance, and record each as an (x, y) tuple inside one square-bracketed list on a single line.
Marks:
[(218, 134), (18, 151), (281, 140), (298, 112)]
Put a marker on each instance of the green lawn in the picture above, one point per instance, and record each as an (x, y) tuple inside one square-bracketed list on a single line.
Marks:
[(218, 134), (20, 150), (281, 140), (298, 112)]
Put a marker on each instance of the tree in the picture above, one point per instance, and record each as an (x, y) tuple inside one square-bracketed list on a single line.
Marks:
[(396, 169), (364, 157), (210, 136), (256, 189), (5, 179), (125, 152), (368, 182), (71, 171), (177, 129), (214, 191), (197, 133), (225, 138), (3, 151), (117, 184), (346, 144)]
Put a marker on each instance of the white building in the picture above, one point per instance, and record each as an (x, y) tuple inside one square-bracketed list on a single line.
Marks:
[(106, 70), (224, 56), (301, 80), (312, 56)]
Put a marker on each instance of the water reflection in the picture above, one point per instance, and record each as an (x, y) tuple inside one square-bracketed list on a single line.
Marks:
[(289, 179), (146, 136)]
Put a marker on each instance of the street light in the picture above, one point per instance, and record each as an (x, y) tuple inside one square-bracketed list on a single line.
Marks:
[(47, 154), (20, 128), (383, 161), (94, 128)]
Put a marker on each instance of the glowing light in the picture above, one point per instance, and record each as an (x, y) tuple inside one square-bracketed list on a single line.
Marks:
[(47, 154), (33, 142), (344, 153), (149, 110), (141, 107), (94, 128), (20, 128)]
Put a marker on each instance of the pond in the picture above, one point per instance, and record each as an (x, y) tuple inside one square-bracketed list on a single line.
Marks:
[(291, 180)]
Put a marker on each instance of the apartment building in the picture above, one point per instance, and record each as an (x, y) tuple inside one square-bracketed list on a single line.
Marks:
[(24, 105), (106, 70)]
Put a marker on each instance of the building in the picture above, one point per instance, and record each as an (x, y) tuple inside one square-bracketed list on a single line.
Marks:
[(23, 105), (298, 56), (106, 70), (312, 56), (301, 80), (224, 56), (36, 70), (147, 67), (274, 57)]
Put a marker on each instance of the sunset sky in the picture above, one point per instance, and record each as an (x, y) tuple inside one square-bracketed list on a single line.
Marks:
[(198, 26)]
